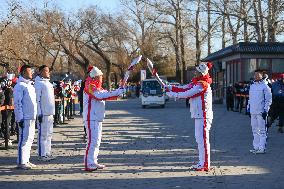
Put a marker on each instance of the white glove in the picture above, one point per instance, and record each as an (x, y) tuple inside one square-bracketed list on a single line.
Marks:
[(172, 95), (119, 91), (168, 88)]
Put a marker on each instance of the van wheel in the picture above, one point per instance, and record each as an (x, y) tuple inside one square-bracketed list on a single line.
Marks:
[(143, 106), (163, 106)]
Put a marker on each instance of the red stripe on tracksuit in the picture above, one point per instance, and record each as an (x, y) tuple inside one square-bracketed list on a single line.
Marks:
[(205, 86), (177, 89), (204, 131), (89, 130), (201, 94)]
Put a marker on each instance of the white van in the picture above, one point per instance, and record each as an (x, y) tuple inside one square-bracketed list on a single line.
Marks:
[(152, 93)]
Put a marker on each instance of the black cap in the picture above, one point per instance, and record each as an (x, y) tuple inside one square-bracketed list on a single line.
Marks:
[(23, 68), (42, 67)]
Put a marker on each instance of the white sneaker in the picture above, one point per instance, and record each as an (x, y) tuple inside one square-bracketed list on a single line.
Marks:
[(31, 164), (51, 157), (260, 151), (100, 166), (91, 168), (196, 166), (10, 143), (44, 158), (253, 151), (26, 166), (94, 167), (199, 167)]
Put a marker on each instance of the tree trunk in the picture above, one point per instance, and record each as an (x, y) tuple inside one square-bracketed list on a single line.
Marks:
[(244, 19), (183, 78), (177, 48), (256, 17), (209, 36), (181, 38), (223, 32), (271, 21), (197, 40), (234, 33), (108, 79)]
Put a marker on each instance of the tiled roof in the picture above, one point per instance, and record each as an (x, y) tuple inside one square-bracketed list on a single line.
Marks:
[(248, 48)]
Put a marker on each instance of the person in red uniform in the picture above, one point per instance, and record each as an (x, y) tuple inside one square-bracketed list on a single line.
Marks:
[(94, 98), (200, 98)]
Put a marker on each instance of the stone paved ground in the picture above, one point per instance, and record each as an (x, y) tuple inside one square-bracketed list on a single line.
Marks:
[(153, 148)]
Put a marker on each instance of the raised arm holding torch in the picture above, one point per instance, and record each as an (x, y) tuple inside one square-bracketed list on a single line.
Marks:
[(129, 69), (154, 72)]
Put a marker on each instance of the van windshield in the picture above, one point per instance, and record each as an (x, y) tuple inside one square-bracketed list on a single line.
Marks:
[(151, 88)]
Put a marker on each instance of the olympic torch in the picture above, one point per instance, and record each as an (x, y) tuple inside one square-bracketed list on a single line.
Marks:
[(154, 72), (129, 69)]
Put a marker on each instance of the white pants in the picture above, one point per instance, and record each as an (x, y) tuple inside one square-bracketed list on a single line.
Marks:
[(202, 129), (258, 131), (94, 133), (26, 138), (45, 130)]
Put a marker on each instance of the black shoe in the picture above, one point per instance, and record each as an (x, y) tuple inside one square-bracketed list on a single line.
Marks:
[(269, 122)]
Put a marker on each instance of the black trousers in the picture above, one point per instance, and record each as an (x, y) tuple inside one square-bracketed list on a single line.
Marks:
[(8, 119), (81, 106), (57, 112), (277, 110), (230, 102)]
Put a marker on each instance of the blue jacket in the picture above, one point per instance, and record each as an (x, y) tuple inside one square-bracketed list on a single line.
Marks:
[(278, 89)]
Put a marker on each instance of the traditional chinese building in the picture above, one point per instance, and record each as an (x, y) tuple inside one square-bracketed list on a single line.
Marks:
[(238, 62)]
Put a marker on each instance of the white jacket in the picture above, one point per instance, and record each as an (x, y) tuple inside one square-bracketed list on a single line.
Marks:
[(260, 98), (24, 100), (44, 96), (200, 100), (94, 102)]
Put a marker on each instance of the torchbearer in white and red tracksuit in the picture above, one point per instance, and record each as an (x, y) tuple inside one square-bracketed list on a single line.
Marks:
[(200, 98), (93, 114)]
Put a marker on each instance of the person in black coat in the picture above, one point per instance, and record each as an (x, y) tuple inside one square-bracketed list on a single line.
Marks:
[(80, 96), (230, 97), (58, 104), (2, 98), (8, 115)]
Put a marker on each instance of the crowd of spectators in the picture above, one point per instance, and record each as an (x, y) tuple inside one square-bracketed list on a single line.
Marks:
[(237, 97)]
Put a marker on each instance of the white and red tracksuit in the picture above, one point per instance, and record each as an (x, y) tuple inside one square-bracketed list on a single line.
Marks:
[(260, 99), (46, 109), (25, 110), (200, 98), (93, 114)]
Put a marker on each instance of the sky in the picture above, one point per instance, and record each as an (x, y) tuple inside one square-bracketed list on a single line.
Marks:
[(106, 5), (68, 5)]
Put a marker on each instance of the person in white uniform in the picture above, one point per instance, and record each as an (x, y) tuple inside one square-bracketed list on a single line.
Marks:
[(199, 94), (25, 115), (260, 99), (93, 114), (45, 112)]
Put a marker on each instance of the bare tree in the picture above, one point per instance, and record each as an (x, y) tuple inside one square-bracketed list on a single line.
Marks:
[(171, 16), (11, 15)]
